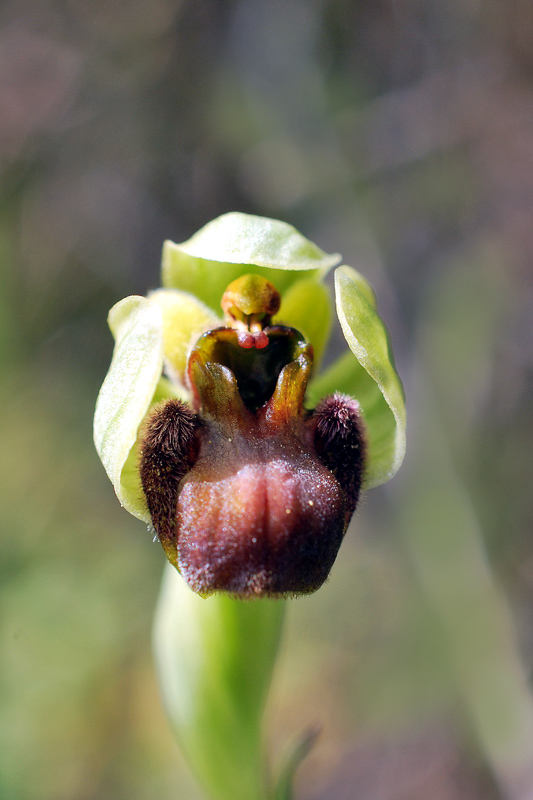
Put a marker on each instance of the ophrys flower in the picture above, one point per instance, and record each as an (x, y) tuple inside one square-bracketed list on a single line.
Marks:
[(252, 467)]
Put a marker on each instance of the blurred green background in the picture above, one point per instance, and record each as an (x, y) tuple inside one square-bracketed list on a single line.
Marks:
[(397, 132)]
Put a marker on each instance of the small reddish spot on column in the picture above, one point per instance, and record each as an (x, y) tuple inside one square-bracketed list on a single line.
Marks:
[(246, 339), (261, 340)]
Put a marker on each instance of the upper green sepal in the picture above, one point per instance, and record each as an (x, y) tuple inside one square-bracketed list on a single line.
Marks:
[(372, 379), (234, 244)]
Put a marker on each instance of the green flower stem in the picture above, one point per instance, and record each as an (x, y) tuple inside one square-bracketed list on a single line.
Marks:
[(215, 659)]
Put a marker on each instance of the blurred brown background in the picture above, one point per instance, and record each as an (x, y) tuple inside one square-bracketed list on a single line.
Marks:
[(399, 133)]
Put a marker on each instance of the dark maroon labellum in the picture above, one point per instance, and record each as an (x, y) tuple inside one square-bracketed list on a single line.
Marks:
[(249, 492)]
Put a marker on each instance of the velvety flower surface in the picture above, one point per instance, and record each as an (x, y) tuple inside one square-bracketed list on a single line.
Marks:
[(249, 489)]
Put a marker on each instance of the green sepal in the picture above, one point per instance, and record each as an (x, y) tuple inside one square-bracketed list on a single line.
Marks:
[(371, 377), (234, 244), (126, 395), (215, 658)]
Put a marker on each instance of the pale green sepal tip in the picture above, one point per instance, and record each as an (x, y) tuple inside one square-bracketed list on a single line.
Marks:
[(215, 658), (234, 244), (126, 394), (363, 286), (368, 340)]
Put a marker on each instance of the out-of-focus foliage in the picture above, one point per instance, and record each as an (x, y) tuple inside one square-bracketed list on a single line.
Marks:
[(400, 135)]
